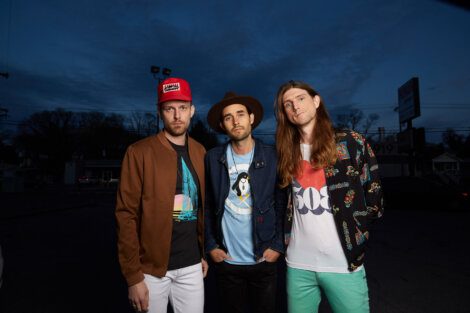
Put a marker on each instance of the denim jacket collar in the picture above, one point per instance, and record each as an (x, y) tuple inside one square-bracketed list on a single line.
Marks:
[(259, 159)]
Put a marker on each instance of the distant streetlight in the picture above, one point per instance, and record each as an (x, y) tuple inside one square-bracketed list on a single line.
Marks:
[(165, 73), (155, 70)]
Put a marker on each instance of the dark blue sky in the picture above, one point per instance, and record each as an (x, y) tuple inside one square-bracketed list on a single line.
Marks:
[(96, 55)]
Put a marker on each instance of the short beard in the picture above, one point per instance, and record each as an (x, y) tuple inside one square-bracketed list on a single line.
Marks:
[(177, 133), (239, 138)]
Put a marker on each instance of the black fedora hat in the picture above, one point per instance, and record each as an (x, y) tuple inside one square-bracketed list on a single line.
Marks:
[(215, 113)]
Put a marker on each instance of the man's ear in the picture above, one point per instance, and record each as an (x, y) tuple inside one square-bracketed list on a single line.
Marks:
[(222, 125), (316, 101), (252, 118), (193, 110)]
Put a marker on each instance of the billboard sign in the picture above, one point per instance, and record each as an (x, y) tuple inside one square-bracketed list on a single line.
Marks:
[(408, 100)]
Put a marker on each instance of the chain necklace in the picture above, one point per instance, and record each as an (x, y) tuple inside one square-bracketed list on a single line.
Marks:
[(251, 157)]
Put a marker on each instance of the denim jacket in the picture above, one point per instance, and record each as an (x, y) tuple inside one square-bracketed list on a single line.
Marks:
[(355, 194), (269, 202)]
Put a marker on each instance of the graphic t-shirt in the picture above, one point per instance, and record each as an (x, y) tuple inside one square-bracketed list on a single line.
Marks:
[(236, 221), (314, 244), (184, 244)]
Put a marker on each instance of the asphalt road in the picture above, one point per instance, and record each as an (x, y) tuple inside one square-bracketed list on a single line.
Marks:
[(59, 250)]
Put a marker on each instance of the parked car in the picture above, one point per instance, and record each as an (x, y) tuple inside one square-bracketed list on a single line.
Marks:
[(88, 180)]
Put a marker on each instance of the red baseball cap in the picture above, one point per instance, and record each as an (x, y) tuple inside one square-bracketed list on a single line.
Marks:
[(173, 89)]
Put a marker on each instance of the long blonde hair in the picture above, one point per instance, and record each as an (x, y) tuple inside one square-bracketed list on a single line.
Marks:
[(288, 137)]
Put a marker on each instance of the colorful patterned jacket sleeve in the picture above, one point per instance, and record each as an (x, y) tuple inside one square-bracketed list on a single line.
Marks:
[(366, 163)]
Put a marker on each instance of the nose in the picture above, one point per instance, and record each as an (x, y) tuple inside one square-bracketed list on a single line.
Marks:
[(295, 105), (235, 121), (177, 114)]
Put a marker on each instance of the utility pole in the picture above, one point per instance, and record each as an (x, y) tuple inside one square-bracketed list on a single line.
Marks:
[(4, 111), (159, 76)]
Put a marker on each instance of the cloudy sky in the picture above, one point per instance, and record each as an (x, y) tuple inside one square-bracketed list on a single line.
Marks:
[(96, 55)]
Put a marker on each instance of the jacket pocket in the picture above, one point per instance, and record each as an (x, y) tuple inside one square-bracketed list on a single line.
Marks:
[(265, 222)]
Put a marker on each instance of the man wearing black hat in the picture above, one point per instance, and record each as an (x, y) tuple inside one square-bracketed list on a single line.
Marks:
[(243, 209)]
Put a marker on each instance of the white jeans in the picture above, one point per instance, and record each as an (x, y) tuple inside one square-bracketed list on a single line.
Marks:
[(184, 287)]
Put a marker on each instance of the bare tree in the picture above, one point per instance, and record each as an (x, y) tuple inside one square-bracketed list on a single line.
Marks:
[(370, 120), (353, 118), (143, 124), (350, 119)]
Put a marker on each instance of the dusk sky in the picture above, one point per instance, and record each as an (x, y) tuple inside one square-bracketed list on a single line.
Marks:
[(96, 55)]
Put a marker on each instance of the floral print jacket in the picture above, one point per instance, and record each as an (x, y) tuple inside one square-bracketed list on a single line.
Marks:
[(355, 194)]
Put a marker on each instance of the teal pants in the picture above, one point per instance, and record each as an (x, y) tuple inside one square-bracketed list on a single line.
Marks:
[(346, 293)]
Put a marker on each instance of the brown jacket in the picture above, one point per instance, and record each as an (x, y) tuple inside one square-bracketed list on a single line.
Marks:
[(145, 205)]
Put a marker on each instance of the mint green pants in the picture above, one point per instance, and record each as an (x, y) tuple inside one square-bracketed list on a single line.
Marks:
[(346, 293)]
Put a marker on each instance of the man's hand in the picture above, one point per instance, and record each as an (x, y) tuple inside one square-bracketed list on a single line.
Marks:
[(139, 297), (270, 255), (219, 255), (205, 268)]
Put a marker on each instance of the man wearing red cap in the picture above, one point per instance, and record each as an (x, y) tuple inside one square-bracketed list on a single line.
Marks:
[(159, 211), (244, 208)]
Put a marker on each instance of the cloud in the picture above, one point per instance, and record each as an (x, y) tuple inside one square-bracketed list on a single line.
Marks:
[(97, 55)]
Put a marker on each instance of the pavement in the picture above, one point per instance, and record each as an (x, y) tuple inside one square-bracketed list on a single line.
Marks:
[(59, 250)]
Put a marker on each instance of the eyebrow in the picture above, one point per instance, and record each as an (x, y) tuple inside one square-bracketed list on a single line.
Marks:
[(296, 97), (239, 111)]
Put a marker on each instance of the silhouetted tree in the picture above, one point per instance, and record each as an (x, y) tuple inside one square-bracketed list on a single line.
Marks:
[(48, 136), (466, 148), (456, 143), (201, 133), (51, 138), (370, 120), (102, 136), (143, 124), (353, 118), (452, 140)]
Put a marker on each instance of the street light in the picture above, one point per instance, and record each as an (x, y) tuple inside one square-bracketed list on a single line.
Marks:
[(165, 73), (155, 70)]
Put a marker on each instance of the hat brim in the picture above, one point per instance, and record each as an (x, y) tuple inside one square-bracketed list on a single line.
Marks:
[(215, 113), (174, 98)]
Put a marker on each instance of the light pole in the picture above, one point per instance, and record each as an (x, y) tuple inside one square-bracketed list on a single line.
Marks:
[(3, 111), (159, 76)]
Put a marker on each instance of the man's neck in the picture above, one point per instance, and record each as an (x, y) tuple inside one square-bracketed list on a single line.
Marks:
[(306, 133), (243, 146), (177, 140)]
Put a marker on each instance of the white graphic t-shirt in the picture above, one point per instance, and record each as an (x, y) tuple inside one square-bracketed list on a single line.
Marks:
[(237, 219), (314, 244)]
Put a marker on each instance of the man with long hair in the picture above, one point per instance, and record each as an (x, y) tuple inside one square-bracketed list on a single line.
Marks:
[(244, 208), (159, 211), (335, 193)]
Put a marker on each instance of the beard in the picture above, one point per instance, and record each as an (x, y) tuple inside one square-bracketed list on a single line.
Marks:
[(239, 135), (177, 129)]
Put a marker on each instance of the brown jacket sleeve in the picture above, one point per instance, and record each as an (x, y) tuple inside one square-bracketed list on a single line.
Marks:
[(128, 211)]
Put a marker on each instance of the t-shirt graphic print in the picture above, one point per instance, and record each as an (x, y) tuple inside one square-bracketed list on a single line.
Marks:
[(314, 243), (183, 208), (311, 195)]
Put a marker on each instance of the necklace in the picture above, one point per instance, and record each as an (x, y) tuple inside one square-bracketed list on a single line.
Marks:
[(251, 157)]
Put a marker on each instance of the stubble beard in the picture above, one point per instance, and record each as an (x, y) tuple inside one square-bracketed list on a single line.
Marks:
[(176, 131), (241, 136)]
